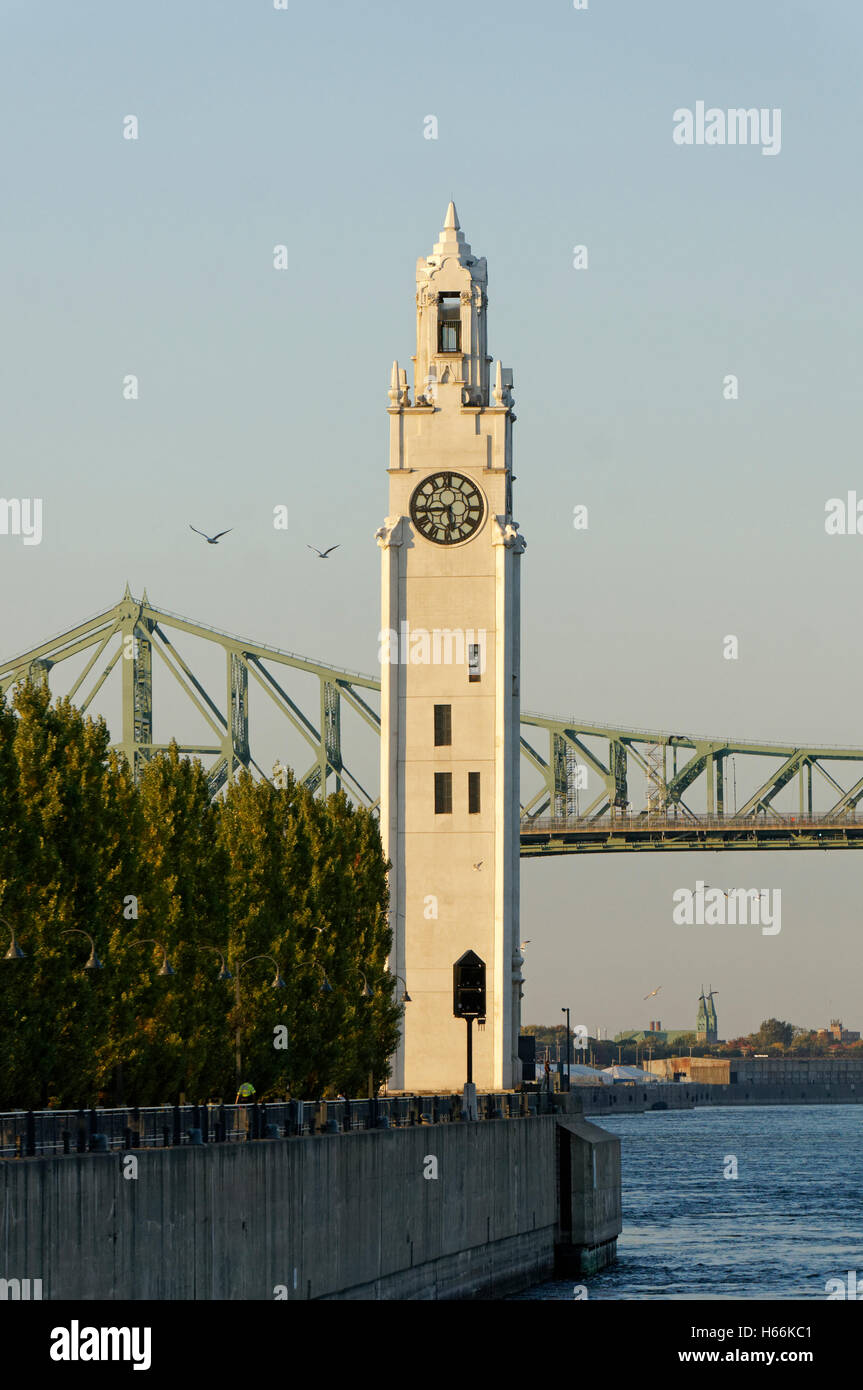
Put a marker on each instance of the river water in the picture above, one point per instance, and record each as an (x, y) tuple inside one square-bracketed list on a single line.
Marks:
[(789, 1221)]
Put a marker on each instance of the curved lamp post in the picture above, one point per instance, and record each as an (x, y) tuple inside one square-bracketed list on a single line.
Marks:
[(406, 999), (278, 983), (326, 987), (14, 952), (224, 972), (166, 967), (94, 962)]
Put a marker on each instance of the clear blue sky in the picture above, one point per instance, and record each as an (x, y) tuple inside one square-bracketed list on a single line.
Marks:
[(305, 127)]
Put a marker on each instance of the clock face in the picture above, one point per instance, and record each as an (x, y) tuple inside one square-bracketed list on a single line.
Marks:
[(447, 508)]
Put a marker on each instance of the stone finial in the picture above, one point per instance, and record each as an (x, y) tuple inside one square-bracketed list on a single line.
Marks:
[(498, 384), (395, 390), (451, 241)]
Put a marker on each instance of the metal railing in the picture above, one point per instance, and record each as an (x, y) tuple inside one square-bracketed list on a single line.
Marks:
[(45, 1133)]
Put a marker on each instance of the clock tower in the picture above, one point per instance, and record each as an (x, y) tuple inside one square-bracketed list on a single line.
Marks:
[(449, 649)]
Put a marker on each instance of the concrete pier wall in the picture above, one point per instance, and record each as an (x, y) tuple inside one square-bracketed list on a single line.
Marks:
[(443, 1211), (681, 1095)]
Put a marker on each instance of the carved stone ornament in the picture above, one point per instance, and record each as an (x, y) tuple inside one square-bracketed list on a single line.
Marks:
[(390, 533), (506, 533)]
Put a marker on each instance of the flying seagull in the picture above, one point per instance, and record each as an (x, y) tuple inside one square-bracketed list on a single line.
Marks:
[(322, 554), (653, 991), (478, 864), (718, 890), (211, 540)]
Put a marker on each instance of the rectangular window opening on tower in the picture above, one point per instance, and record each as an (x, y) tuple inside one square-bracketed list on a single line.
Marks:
[(473, 802), (443, 793), (449, 323), (442, 725), (474, 661)]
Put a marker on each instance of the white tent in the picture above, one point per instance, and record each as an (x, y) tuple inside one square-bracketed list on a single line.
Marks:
[(588, 1076), (618, 1073)]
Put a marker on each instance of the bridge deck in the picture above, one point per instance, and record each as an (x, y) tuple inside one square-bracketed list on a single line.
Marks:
[(642, 832)]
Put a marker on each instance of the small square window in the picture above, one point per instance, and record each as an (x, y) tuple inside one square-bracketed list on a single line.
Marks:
[(442, 725), (443, 793), (473, 803)]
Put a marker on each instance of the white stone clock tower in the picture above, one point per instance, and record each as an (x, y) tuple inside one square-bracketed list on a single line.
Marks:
[(449, 650)]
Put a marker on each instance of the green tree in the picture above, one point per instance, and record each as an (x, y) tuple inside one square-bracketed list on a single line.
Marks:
[(307, 886), (168, 1033), (69, 843), (773, 1032), (158, 870)]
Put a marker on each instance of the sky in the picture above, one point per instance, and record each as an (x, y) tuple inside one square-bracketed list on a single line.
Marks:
[(257, 387)]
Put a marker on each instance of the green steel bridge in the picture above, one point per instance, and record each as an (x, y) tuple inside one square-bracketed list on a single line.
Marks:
[(589, 787)]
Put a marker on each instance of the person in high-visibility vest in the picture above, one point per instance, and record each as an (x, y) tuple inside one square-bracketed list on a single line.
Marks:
[(246, 1090)]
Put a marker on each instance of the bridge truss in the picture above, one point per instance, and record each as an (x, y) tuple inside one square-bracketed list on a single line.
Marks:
[(587, 787)]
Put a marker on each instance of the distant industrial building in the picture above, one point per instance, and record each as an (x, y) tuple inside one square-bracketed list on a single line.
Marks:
[(836, 1033), (759, 1071)]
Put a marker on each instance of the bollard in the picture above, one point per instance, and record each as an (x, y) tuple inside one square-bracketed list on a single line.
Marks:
[(99, 1143), (271, 1131), (194, 1136)]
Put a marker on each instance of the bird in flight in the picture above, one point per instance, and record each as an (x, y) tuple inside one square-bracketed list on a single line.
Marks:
[(322, 554), (526, 943), (211, 540), (723, 891), (653, 991), (478, 864)]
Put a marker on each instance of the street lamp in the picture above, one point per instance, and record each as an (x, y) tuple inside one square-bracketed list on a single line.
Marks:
[(568, 1054), (277, 983), (93, 962), (224, 972), (14, 952), (406, 999), (326, 987), (166, 968)]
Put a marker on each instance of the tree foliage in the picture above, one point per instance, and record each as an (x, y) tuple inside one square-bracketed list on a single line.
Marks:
[(158, 872)]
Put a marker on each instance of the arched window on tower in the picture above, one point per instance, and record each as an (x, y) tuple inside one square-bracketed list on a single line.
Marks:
[(449, 323)]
